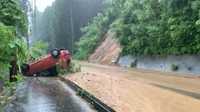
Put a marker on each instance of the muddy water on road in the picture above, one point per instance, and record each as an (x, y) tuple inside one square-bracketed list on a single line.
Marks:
[(46, 95)]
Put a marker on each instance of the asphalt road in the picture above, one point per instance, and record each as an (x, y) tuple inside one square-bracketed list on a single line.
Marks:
[(46, 95)]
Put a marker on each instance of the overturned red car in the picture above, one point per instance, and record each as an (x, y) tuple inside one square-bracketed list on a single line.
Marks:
[(47, 65)]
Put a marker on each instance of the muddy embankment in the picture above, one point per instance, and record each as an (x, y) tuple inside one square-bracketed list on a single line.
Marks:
[(109, 53)]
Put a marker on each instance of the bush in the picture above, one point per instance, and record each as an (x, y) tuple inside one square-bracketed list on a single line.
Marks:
[(174, 67), (73, 68), (134, 64), (12, 48), (93, 35), (38, 49), (13, 27)]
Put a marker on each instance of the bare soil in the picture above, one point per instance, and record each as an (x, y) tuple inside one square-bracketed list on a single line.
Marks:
[(128, 90), (108, 51)]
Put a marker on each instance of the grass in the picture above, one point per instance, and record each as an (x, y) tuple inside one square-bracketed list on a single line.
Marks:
[(73, 68)]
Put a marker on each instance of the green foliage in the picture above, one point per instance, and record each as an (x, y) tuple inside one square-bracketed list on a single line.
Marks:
[(10, 46), (11, 14), (174, 67), (38, 49), (151, 27), (6, 36), (93, 34), (60, 24), (13, 26), (165, 27), (73, 68)]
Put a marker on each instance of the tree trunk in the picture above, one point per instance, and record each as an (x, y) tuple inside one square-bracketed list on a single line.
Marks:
[(13, 70)]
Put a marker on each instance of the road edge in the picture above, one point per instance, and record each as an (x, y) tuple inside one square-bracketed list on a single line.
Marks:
[(98, 104)]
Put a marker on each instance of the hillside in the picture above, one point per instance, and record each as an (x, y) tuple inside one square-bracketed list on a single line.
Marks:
[(108, 52), (147, 28), (158, 35)]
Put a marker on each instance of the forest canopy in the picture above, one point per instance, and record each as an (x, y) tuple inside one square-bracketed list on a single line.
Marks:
[(147, 27), (60, 24)]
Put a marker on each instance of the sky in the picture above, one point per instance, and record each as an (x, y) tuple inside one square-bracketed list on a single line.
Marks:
[(42, 4)]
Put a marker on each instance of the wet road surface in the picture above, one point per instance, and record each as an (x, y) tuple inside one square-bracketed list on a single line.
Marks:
[(46, 95)]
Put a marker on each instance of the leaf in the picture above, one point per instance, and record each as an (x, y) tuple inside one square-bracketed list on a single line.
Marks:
[(197, 22), (11, 45)]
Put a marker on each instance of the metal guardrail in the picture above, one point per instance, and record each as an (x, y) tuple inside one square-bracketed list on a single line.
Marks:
[(98, 105)]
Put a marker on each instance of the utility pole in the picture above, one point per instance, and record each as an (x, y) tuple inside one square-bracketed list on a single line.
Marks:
[(72, 27)]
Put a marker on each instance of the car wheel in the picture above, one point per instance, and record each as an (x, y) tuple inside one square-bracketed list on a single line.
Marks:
[(55, 53), (25, 68)]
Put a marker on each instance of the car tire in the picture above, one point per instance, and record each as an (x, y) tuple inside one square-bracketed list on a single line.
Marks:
[(55, 53)]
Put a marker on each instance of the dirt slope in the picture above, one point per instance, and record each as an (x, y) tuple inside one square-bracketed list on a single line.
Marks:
[(108, 52), (134, 91)]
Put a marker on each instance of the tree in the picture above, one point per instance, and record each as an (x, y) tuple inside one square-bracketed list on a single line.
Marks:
[(60, 24), (13, 26), (152, 27)]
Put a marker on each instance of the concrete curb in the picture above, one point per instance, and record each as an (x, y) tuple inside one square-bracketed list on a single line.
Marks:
[(98, 105)]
